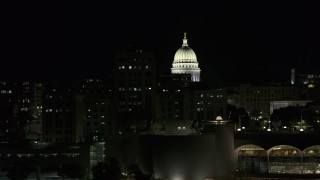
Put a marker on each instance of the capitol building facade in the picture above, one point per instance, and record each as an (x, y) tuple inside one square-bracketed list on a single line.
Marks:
[(185, 61)]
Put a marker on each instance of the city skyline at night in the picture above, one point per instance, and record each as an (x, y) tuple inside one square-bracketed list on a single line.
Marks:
[(160, 91)]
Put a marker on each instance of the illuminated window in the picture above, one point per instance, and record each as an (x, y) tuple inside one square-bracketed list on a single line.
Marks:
[(310, 85)]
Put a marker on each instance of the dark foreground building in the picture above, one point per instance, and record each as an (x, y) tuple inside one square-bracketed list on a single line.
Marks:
[(43, 159), (219, 153)]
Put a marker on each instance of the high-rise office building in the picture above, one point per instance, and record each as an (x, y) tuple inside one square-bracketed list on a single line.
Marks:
[(63, 112), (98, 108), (18, 108), (134, 74)]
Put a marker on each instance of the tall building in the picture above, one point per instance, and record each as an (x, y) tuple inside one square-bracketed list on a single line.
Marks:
[(173, 101), (98, 108), (134, 74), (63, 112), (18, 104), (185, 62), (34, 127), (6, 106), (78, 110), (207, 104)]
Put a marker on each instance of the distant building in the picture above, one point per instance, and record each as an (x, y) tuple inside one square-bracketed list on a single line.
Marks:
[(20, 104), (63, 112), (134, 89), (185, 62), (256, 99), (178, 99), (34, 127), (310, 85), (282, 104), (46, 159), (208, 104), (99, 121), (172, 103)]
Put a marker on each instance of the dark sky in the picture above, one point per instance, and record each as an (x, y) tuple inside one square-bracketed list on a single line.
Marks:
[(234, 42)]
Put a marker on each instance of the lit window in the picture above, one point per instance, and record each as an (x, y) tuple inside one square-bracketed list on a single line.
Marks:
[(130, 67), (310, 85)]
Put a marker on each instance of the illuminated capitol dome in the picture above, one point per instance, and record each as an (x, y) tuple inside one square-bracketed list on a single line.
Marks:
[(185, 62)]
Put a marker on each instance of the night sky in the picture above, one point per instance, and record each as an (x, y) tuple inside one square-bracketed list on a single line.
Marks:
[(242, 42)]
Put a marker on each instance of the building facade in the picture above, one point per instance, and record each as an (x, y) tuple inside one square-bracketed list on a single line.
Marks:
[(256, 99), (134, 87)]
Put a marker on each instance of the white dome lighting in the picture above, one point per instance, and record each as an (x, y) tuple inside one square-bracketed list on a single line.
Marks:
[(185, 61)]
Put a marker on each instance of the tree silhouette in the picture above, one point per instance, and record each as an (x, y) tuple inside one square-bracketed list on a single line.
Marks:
[(110, 169), (72, 171), (288, 116), (135, 172)]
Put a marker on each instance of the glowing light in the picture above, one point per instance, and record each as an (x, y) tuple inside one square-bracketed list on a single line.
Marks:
[(177, 178), (301, 129), (238, 129), (268, 129)]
